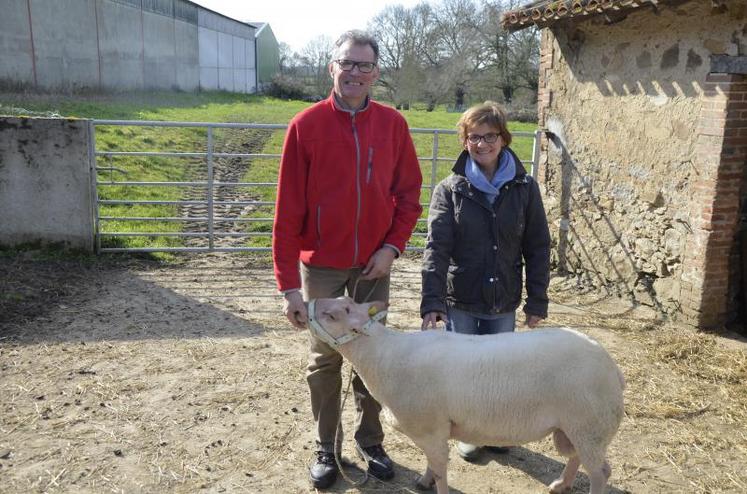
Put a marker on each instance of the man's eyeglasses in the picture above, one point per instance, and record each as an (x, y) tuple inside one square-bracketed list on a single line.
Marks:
[(488, 138), (364, 67)]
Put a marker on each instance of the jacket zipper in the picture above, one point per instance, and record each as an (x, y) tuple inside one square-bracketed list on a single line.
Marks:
[(357, 188)]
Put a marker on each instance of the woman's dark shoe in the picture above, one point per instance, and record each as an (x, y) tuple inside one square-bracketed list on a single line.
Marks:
[(379, 463), (323, 471)]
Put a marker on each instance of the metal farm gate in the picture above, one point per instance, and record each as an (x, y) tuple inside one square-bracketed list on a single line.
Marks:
[(207, 207)]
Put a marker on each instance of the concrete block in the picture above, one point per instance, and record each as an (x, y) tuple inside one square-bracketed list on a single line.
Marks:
[(45, 182)]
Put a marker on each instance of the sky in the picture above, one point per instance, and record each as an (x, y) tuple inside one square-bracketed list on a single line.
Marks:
[(296, 22)]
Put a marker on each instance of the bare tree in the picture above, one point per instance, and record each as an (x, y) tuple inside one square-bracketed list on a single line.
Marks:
[(512, 59), (315, 57), (401, 34), (453, 51), (285, 55), (446, 51), (430, 52)]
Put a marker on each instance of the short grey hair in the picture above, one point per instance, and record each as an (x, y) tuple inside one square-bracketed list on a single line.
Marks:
[(356, 37)]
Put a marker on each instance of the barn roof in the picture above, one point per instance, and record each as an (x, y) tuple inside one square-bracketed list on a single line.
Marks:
[(544, 13)]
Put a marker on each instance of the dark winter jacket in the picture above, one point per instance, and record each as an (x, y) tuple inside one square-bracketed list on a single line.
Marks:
[(476, 251)]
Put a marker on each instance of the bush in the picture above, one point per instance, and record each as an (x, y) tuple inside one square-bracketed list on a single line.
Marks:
[(284, 87), (521, 114)]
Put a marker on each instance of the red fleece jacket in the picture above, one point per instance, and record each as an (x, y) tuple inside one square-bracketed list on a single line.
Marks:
[(348, 184)]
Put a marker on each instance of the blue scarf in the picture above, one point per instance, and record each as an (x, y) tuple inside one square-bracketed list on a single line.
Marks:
[(506, 171)]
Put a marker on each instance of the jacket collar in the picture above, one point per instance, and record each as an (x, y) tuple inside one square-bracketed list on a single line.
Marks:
[(335, 102), (461, 164), (464, 187)]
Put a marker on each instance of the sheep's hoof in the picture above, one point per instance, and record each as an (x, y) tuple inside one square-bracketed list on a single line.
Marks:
[(557, 487), (419, 485)]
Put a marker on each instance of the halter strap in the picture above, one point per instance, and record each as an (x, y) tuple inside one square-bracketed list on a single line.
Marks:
[(318, 330)]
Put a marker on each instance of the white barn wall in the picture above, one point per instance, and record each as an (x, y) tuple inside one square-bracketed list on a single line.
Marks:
[(65, 43), (123, 45), (226, 51), (15, 44)]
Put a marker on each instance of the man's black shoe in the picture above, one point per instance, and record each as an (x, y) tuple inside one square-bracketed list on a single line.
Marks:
[(501, 450), (323, 471), (379, 463)]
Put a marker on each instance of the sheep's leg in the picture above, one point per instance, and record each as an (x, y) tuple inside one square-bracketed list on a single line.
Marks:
[(598, 477), (426, 481), (565, 448), (565, 482), (437, 454)]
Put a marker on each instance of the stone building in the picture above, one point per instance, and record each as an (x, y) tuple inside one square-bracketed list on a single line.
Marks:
[(643, 166)]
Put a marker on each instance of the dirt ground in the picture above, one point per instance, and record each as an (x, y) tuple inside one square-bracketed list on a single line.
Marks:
[(125, 375)]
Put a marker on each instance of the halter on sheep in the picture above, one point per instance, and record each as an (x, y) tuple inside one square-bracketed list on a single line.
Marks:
[(318, 330)]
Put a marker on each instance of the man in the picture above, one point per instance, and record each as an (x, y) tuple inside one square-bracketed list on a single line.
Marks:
[(348, 199)]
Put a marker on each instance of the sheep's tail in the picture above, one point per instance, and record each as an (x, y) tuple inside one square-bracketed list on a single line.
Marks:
[(621, 377)]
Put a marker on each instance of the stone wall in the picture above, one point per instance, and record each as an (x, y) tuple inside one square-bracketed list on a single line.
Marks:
[(630, 173)]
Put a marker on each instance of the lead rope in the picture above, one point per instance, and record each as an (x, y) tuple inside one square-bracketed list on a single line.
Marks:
[(338, 445)]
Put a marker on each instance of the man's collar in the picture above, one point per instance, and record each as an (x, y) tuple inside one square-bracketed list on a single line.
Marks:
[(341, 107)]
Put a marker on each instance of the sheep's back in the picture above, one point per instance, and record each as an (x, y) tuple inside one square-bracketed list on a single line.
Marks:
[(530, 380)]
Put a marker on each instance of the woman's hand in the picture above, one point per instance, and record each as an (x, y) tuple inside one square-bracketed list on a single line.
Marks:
[(533, 321), (431, 319)]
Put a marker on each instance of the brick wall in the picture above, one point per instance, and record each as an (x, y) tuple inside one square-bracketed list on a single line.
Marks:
[(711, 274), (544, 95)]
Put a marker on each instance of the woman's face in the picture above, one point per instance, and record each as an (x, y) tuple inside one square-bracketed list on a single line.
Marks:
[(476, 143)]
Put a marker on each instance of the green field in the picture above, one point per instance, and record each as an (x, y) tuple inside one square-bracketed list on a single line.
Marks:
[(206, 107)]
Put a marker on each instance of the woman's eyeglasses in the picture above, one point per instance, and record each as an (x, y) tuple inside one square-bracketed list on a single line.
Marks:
[(488, 138), (364, 67)]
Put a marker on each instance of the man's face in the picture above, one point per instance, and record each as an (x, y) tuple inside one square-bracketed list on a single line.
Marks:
[(352, 86)]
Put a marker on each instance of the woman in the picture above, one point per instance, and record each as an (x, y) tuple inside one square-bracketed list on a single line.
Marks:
[(486, 222)]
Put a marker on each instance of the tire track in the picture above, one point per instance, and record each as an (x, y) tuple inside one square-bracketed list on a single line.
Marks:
[(225, 170)]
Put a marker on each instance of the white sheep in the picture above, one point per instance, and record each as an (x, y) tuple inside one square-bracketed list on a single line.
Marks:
[(499, 390)]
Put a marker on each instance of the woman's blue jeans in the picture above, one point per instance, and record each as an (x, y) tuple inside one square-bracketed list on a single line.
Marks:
[(461, 321)]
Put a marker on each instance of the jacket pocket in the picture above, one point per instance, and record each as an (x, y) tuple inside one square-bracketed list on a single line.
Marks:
[(464, 284), (369, 168), (514, 287)]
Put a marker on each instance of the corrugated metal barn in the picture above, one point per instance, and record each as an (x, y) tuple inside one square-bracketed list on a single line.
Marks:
[(123, 45)]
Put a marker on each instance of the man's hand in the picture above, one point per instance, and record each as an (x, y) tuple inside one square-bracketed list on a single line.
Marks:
[(380, 264), (431, 318), (295, 310), (533, 321)]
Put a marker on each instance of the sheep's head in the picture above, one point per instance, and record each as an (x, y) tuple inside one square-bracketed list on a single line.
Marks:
[(341, 316)]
